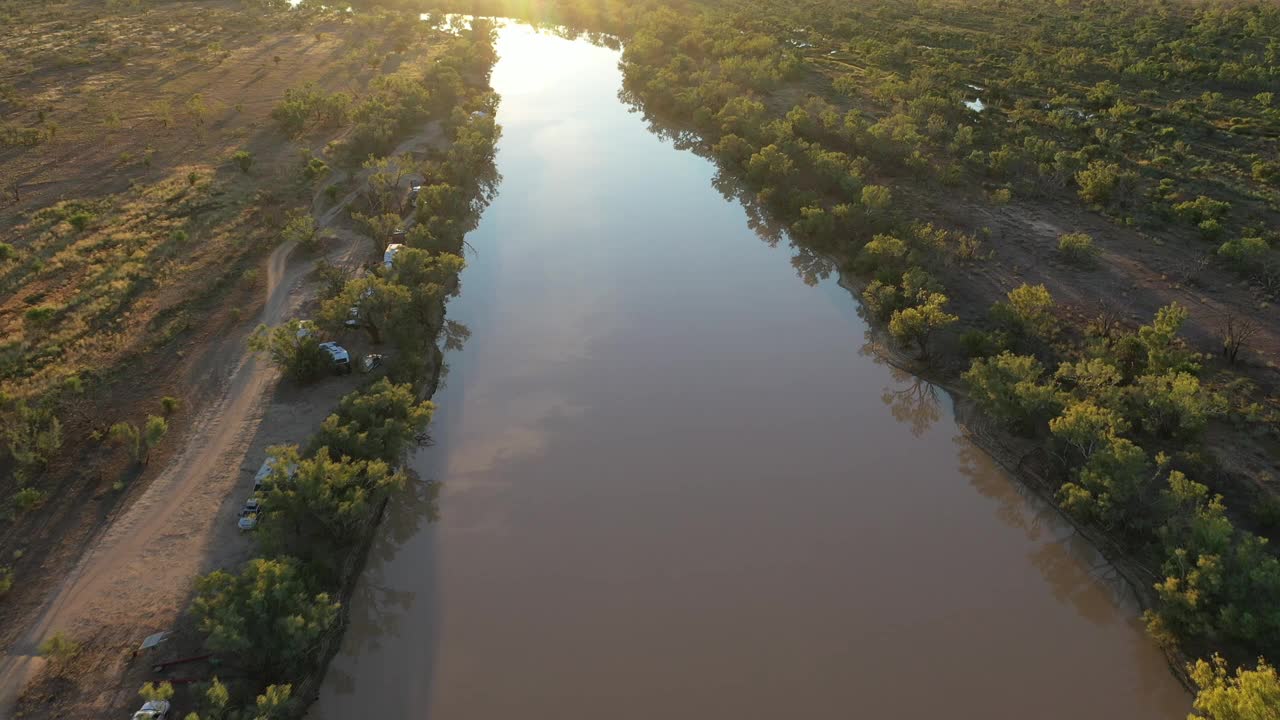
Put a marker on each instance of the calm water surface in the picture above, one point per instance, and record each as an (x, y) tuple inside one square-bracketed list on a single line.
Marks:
[(674, 485)]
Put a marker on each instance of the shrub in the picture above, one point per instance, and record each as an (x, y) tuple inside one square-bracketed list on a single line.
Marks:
[(169, 404), (1028, 312), (59, 650), (315, 168), (1244, 253), (152, 691), (6, 581), (1010, 388), (1102, 182), (981, 343), (1077, 248), (80, 219), (1175, 404), (1202, 209), (152, 433), (293, 347), (27, 499), (126, 435), (7, 252), (243, 159), (32, 435), (883, 253)]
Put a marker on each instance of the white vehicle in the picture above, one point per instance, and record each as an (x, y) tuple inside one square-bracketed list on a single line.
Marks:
[(153, 710), (248, 517), (261, 476), (389, 256), (341, 358)]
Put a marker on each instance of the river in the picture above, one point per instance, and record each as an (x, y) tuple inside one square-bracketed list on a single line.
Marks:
[(676, 485)]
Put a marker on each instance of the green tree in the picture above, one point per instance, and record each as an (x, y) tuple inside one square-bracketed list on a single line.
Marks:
[(1246, 695), (1165, 351), (316, 508), (301, 229), (918, 323), (375, 424), (1106, 490), (1028, 312), (267, 616), (378, 228), (882, 254), (1010, 388), (294, 347), (373, 303), (1175, 404), (1086, 428)]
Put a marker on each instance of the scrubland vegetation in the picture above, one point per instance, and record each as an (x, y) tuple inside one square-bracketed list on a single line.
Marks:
[(255, 116), (144, 181)]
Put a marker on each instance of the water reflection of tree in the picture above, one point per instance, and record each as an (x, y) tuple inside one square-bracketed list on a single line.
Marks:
[(1074, 570), (914, 404), (382, 606), (810, 266)]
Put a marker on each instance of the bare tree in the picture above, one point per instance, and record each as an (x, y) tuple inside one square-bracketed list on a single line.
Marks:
[(1236, 332), (1106, 319)]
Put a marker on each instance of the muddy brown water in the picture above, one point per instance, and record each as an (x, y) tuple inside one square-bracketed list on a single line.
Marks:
[(675, 485)]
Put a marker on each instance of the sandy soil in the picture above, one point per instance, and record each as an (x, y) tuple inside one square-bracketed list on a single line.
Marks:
[(138, 576)]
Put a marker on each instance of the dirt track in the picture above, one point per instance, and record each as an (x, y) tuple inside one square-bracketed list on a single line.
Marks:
[(139, 572)]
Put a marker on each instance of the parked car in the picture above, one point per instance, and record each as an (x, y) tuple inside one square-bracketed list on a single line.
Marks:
[(389, 256), (153, 710), (341, 358), (248, 519), (353, 315)]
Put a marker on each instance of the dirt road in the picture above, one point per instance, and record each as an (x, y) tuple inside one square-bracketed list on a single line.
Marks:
[(124, 561), (139, 572)]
